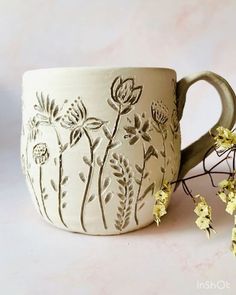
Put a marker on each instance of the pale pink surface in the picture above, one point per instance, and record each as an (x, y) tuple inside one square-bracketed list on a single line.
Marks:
[(186, 35)]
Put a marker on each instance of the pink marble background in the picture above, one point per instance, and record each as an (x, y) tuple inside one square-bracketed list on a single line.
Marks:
[(187, 35)]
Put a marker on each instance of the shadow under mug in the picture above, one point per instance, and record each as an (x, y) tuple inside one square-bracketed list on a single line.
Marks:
[(98, 142)]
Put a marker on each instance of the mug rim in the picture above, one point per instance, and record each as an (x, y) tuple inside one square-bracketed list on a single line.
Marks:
[(94, 68)]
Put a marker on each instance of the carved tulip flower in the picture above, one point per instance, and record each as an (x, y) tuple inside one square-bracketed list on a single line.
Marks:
[(124, 93), (40, 153), (77, 121)]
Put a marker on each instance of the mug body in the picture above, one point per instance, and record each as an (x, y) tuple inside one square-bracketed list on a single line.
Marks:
[(97, 143)]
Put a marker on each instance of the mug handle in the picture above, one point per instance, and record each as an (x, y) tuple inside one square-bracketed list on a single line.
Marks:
[(195, 152)]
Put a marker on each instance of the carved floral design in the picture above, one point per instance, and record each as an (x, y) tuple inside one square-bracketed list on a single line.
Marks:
[(124, 177), (77, 121), (133, 183), (160, 116), (140, 131)]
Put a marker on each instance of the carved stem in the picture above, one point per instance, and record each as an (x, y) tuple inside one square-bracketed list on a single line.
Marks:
[(103, 164), (164, 157), (140, 185), (29, 177), (88, 180), (60, 174), (41, 193)]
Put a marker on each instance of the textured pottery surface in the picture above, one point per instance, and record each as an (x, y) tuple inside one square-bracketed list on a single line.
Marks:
[(97, 143)]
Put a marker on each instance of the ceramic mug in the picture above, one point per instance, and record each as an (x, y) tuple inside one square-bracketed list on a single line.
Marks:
[(98, 142)]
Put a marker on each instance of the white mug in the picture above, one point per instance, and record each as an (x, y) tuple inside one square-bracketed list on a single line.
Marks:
[(98, 142)]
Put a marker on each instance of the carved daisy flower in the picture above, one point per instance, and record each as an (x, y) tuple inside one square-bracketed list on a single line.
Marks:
[(40, 153), (138, 130)]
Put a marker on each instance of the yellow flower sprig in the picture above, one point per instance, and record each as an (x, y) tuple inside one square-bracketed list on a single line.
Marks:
[(161, 200), (225, 138), (233, 244), (227, 193), (203, 211)]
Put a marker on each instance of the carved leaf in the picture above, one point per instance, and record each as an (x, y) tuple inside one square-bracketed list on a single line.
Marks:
[(64, 205), (99, 161), (108, 197), (86, 161), (75, 136), (111, 104), (53, 185), (64, 194), (96, 143), (64, 180), (93, 123), (114, 144), (64, 147), (138, 168), (163, 154), (126, 110), (82, 177), (150, 188), (107, 132), (163, 170), (91, 198), (141, 206), (106, 183)]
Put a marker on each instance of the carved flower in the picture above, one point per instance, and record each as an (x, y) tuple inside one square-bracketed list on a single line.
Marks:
[(47, 109), (33, 128), (124, 92), (77, 121), (159, 112), (40, 153), (139, 130), (174, 121)]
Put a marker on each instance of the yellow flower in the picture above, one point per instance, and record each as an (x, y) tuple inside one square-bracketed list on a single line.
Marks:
[(203, 222), (158, 211), (229, 184), (225, 138), (233, 248), (232, 196), (231, 207), (234, 234), (202, 209), (222, 196), (162, 196)]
